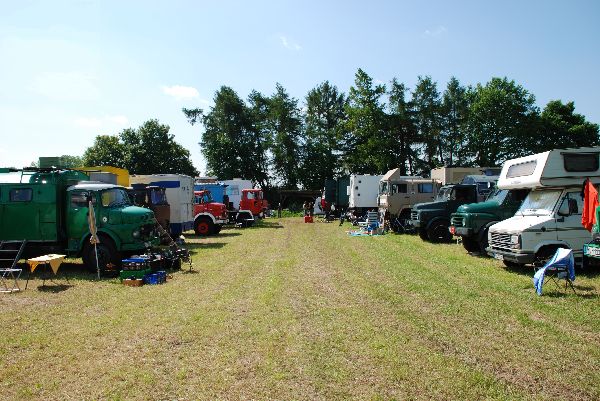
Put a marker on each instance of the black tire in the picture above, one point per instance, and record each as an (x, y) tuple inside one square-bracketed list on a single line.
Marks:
[(107, 254), (438, 232), (203, 226), (483, 240), (217, 228), (543, 255), (423, 234), (470, 244)]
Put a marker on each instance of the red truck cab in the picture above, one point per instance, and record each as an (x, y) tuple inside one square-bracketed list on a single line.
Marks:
[(252, 200), (209, 216)]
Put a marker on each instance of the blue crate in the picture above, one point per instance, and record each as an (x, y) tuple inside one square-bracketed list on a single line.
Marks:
[(151, 279)]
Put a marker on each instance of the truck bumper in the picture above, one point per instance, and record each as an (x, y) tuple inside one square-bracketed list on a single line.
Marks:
[(416, 223), (220, 222), (520, 258), (462, 231)]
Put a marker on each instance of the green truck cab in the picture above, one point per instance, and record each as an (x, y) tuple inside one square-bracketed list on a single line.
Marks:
[(432, 219), (471, 221), (49, 209)]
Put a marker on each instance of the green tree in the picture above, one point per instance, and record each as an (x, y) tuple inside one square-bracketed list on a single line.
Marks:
[(259, 139), (365, 126), (107, 150), (152, 150), (285, 125), (323, 121), (503, 123), (454, 111), (426, 106), (401, 128), (224, 142), (562, 126), (149, 149)]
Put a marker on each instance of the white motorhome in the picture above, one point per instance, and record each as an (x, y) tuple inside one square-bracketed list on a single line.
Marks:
[(550, 216), (180, 195), (363, 192)]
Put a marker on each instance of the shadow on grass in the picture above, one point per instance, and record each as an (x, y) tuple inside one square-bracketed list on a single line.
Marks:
[(228, 234), (54, 288), (195, 247), (267, 224)]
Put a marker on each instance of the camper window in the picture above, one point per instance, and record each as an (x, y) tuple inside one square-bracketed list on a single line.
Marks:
[(580, 162), (425, 188), (21, 195), (521, 169), (383, 188)]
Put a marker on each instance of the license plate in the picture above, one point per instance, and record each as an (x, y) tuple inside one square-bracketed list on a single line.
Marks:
[(498, 256), (592, 251)]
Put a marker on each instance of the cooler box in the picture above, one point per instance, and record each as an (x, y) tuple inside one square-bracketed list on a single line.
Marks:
[(134, 274), (308, 219)]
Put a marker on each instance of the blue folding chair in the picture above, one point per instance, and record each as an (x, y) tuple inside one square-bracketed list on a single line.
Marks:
[(561, 266)]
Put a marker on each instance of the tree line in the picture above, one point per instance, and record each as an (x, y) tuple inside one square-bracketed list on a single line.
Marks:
[(276, 141)]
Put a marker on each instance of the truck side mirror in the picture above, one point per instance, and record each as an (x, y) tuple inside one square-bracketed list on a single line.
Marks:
[(567, 207)]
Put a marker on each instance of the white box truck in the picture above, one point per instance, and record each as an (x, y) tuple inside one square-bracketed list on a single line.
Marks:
[(180, 195), (234, 191), (363, 191), (550, 216)]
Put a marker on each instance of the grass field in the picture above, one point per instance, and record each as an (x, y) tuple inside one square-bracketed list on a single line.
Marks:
[(300, 311)]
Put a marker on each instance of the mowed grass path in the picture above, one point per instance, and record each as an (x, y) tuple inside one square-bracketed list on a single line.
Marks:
[(303, 311)]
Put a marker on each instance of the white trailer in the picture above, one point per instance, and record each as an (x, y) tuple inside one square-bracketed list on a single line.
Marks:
[(363, 192), (234, 190), (550, 216), (180, 195)]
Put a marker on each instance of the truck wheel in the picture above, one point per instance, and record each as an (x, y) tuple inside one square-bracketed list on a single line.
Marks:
[(217, 228), (107, 254), (423, 234), (438, 232), (203, 226), (483, 240), (470, 244)]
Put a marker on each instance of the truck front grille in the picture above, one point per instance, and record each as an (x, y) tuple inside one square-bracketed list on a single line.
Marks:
[(500, 241), (457, 221), (414, 215)]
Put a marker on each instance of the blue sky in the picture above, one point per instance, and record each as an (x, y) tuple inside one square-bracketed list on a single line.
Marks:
[(71, 70)]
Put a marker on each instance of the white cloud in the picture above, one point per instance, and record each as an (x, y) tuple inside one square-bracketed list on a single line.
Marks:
[(118, 120), (66, 86), (288, 44), (181, 92), (440, 30)]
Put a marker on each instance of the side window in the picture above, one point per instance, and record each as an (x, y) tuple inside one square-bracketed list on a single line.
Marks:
[(402, 188), (20, 195), (425, 188), (577, 197), (80, 199)]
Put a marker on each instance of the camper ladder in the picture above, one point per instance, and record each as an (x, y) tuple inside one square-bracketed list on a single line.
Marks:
[(10, 251)]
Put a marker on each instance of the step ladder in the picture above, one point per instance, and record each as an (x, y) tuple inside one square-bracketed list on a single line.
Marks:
[(10, 254)]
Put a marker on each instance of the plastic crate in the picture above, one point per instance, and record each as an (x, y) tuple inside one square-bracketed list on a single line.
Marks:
[(136, 263), (151, 279)]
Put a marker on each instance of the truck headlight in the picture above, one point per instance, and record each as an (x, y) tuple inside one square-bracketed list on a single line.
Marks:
[(515, 240), (136, 234)]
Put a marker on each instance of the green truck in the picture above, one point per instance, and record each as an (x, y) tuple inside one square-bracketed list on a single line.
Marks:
[(48, 208), (471, 221), (432, 219)]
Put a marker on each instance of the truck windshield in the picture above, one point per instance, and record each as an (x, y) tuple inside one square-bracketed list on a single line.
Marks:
[(207, 198), (498, 195), (115, 197), (383, 188), (444, 194), (539, 202)]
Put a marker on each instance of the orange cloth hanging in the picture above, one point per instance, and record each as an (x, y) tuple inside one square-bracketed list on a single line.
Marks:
[(588, 217)]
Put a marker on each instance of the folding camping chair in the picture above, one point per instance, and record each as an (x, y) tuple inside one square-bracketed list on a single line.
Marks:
[(561, 266)]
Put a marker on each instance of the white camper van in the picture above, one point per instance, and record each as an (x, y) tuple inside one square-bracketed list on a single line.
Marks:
[(550, 216), (180, 195), (363, 192)]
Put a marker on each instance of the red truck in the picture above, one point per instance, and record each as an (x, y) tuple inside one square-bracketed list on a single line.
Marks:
[(252, 200), (209, 216)]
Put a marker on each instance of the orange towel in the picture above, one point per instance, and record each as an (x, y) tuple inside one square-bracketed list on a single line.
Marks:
[(590, 203)]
